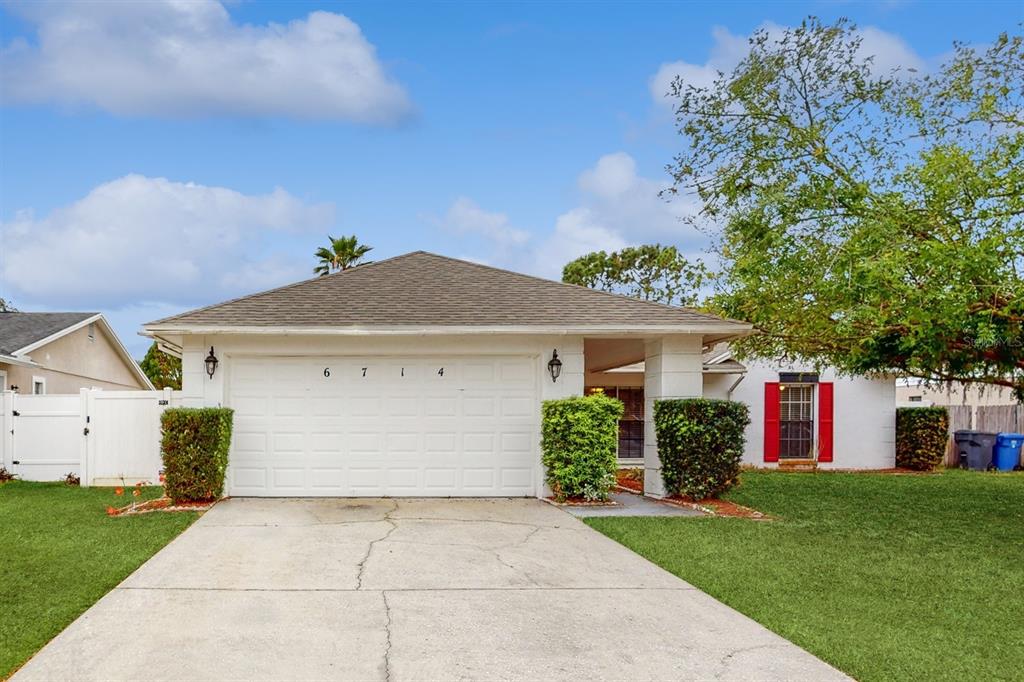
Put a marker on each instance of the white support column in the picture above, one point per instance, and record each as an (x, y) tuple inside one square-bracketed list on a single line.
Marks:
[(198, 389), (673, 367), (570, 381)]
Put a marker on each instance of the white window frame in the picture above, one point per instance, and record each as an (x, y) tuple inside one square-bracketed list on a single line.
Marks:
[(3, 379), (38, 380), (814, 418)]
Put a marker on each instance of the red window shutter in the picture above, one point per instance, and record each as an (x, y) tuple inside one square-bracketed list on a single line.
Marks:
[(771, 421), (825, 409)]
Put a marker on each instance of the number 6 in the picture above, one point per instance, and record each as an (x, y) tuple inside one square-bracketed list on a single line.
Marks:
[(327, 371)]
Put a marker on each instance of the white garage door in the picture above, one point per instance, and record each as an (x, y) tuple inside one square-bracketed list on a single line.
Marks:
[(346, 426)]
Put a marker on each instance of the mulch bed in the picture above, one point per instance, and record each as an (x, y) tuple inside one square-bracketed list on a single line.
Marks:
[(162, 504), (717, 507), (629, 484)]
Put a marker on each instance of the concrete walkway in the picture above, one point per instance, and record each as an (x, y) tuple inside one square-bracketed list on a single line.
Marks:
[(629, 504), (409, 590)]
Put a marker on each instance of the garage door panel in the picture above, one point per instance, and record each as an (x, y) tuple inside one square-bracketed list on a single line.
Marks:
[(402, 406), (327, 406), (323, 443), (384, 426), (479, 479), (327, 479)]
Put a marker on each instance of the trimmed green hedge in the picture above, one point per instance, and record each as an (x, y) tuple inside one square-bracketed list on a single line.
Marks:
[(195, 447), (700, 444), (922, 434), (580, 437)]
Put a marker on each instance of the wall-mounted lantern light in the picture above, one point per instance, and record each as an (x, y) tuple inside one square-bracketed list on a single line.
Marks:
[(211, 363), (554, 365)]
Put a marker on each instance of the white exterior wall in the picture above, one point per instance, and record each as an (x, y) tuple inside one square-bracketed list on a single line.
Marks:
[(199, 390), (864, 432), (672, 369)]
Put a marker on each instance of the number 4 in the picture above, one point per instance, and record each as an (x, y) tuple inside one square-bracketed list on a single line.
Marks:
[(440, 372)]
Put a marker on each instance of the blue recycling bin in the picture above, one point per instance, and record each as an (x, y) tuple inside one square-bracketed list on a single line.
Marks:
[(1006, 453)]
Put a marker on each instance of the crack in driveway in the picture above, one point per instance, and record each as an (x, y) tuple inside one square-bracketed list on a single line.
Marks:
[(387, 635), (369, 549)]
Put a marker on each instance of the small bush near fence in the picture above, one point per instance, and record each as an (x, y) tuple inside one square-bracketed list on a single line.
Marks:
[(195, 452), (700, 444), (921, 437), (580, 437)]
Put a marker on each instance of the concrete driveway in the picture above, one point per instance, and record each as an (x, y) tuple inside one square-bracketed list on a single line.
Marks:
[(409, 589)]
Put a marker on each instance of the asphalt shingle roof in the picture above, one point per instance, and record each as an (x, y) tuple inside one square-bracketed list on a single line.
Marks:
[(18, 330), (424, 289)]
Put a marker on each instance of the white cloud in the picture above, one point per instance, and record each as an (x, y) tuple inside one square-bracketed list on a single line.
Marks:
[(617, 207), (889, 52), (464, 216), (169, 58), (150, 239), (726, 53)]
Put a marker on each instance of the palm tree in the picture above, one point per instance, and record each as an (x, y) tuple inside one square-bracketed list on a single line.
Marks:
[(342, 254)]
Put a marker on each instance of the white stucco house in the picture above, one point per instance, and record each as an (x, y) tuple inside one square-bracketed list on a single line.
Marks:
[(423, 375), (799, 416)]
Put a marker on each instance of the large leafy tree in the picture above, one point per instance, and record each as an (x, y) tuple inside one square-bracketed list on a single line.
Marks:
[(864, 220), (651, 272), (163, 370), (341, 254)]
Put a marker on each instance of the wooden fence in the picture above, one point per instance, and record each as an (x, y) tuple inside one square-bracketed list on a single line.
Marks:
[(960, 418), (1000, 418), (992, 418)]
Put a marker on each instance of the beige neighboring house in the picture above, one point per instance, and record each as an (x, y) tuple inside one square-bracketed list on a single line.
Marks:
[(44, 353), (912, 392)]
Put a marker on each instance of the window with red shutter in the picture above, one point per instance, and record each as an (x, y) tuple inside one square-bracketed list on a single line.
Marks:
[(825, 421), (771, 422)]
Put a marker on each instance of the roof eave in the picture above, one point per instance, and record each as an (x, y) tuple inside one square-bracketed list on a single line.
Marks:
[(14, 360), (731, 329)]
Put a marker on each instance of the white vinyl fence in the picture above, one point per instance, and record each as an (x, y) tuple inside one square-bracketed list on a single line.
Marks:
[(104, 437)]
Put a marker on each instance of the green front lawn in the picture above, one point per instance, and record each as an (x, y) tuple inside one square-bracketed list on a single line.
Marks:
[(60, 552), (885, 577)]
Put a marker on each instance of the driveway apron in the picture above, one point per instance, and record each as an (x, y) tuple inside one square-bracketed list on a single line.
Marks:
[(409, 589)]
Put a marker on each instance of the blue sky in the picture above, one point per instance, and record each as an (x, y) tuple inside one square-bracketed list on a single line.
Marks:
[(155, 158)]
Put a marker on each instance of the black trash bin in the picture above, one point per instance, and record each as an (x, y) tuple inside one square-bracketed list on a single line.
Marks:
[(975, 449)]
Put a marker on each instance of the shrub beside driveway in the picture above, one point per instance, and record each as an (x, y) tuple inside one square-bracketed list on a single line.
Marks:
[(61, 553), (883, 576)]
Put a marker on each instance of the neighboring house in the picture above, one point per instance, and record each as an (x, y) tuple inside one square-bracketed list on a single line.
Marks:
[(421, 375), (797, 416), (63, 352), (911, 392)]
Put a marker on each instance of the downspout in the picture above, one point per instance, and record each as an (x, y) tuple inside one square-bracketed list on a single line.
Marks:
[(728, 394)]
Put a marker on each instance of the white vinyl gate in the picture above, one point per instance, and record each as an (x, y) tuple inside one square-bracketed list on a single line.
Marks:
[(104, 437)]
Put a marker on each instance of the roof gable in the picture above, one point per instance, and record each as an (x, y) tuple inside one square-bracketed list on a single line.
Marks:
[(21, 330), (426, 290)]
